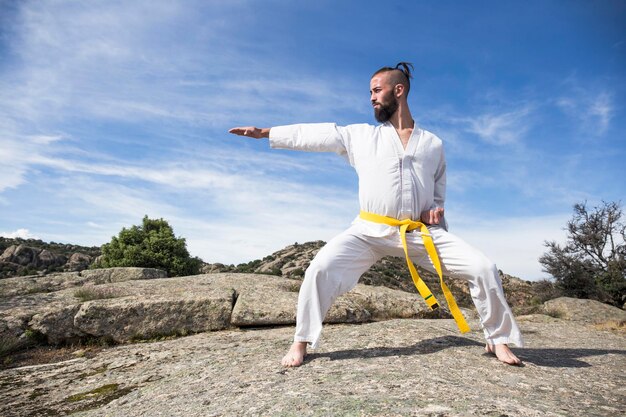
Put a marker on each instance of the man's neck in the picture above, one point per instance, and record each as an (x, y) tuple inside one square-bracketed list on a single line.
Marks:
[(402, 119)]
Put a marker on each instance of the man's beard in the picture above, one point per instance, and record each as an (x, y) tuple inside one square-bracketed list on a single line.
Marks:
[(385, 111)]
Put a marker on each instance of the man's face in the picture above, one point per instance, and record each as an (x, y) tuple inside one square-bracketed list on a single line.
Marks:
[(382, 97)]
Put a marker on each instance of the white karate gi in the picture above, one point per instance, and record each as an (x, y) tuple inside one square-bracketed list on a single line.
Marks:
[(397, 183)]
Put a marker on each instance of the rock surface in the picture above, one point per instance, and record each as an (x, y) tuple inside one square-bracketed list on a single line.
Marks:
[(391, 368), (117, 304), (10, 287), (588, 311)]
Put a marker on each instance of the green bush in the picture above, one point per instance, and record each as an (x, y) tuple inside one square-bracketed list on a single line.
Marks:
[(151, 245)]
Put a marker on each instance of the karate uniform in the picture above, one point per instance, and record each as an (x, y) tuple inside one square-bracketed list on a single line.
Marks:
[(397, 183)]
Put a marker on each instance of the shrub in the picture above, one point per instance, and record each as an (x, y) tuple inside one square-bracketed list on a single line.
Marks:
[(592, 264), (151, 245)]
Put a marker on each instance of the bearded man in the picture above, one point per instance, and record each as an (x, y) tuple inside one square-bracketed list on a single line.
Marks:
[(402, 180)]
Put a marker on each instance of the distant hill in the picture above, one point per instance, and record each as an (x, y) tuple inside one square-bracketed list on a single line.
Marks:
[(65, 249), (20, 257)]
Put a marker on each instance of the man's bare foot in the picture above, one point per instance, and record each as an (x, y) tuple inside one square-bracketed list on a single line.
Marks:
[(503, 353), (296, 354)]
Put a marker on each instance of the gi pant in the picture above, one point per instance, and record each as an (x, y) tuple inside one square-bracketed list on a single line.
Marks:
[(338, 266)]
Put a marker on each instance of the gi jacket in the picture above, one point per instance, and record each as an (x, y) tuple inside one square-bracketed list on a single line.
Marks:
[(393, 182)]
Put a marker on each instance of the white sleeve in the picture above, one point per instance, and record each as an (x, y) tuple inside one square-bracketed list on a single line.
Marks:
[(440, 182), (440, 188), (313, 137)]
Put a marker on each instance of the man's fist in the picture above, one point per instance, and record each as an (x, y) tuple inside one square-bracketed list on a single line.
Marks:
[(432, 216)]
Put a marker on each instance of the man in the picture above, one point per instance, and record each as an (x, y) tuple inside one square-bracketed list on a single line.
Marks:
[(402, 178)]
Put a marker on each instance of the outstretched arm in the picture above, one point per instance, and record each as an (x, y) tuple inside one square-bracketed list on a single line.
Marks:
[(310, 137), (251, 132)]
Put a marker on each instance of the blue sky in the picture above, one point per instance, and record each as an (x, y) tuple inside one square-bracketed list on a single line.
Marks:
[(110, 110)]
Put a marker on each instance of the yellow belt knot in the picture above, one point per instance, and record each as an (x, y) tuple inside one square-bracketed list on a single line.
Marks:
[(429, 298)]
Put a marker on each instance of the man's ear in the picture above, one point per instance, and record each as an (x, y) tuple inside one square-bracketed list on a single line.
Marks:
[(398, 90)]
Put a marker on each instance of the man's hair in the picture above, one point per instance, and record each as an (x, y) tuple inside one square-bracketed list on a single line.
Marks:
[(400, 74)]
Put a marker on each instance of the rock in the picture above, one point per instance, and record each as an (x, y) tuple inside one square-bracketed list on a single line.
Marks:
[(133, 310), (12, 326), (346, 309), (537, 318), (586, 311), (400, 367), (291, 261), (127, 319), (31, 257), (78, 261), (215, 268), (10, 287), (101, 276), (269, 300), (46, 259), (57, 324), (385, 303), (19, 254), (47, 304), (19, 258)]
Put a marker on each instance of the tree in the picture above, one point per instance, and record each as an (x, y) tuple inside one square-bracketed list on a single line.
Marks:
[(592, 264), (151, 245)]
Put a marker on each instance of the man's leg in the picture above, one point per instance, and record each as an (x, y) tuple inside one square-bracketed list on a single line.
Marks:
[(461, 260), (335, 270)]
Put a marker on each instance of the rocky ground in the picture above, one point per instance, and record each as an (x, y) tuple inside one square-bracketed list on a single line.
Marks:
[(400, 367), (383, 352)]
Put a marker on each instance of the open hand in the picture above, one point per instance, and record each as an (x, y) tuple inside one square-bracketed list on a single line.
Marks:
[(432, 216), (250, 131)]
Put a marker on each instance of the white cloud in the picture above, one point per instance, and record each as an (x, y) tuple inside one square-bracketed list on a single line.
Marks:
[(19, 151), (514, 244), (601, 108), (122, 63), (45, 139), (19, 233), (110, 63), (95, 225), (591, 107), (497, 128)]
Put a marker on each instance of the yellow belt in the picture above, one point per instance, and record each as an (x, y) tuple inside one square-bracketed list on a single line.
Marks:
[(429, 298)]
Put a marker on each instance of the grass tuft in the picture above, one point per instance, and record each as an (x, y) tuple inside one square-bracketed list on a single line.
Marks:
[(612, 325), (102, 391)]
